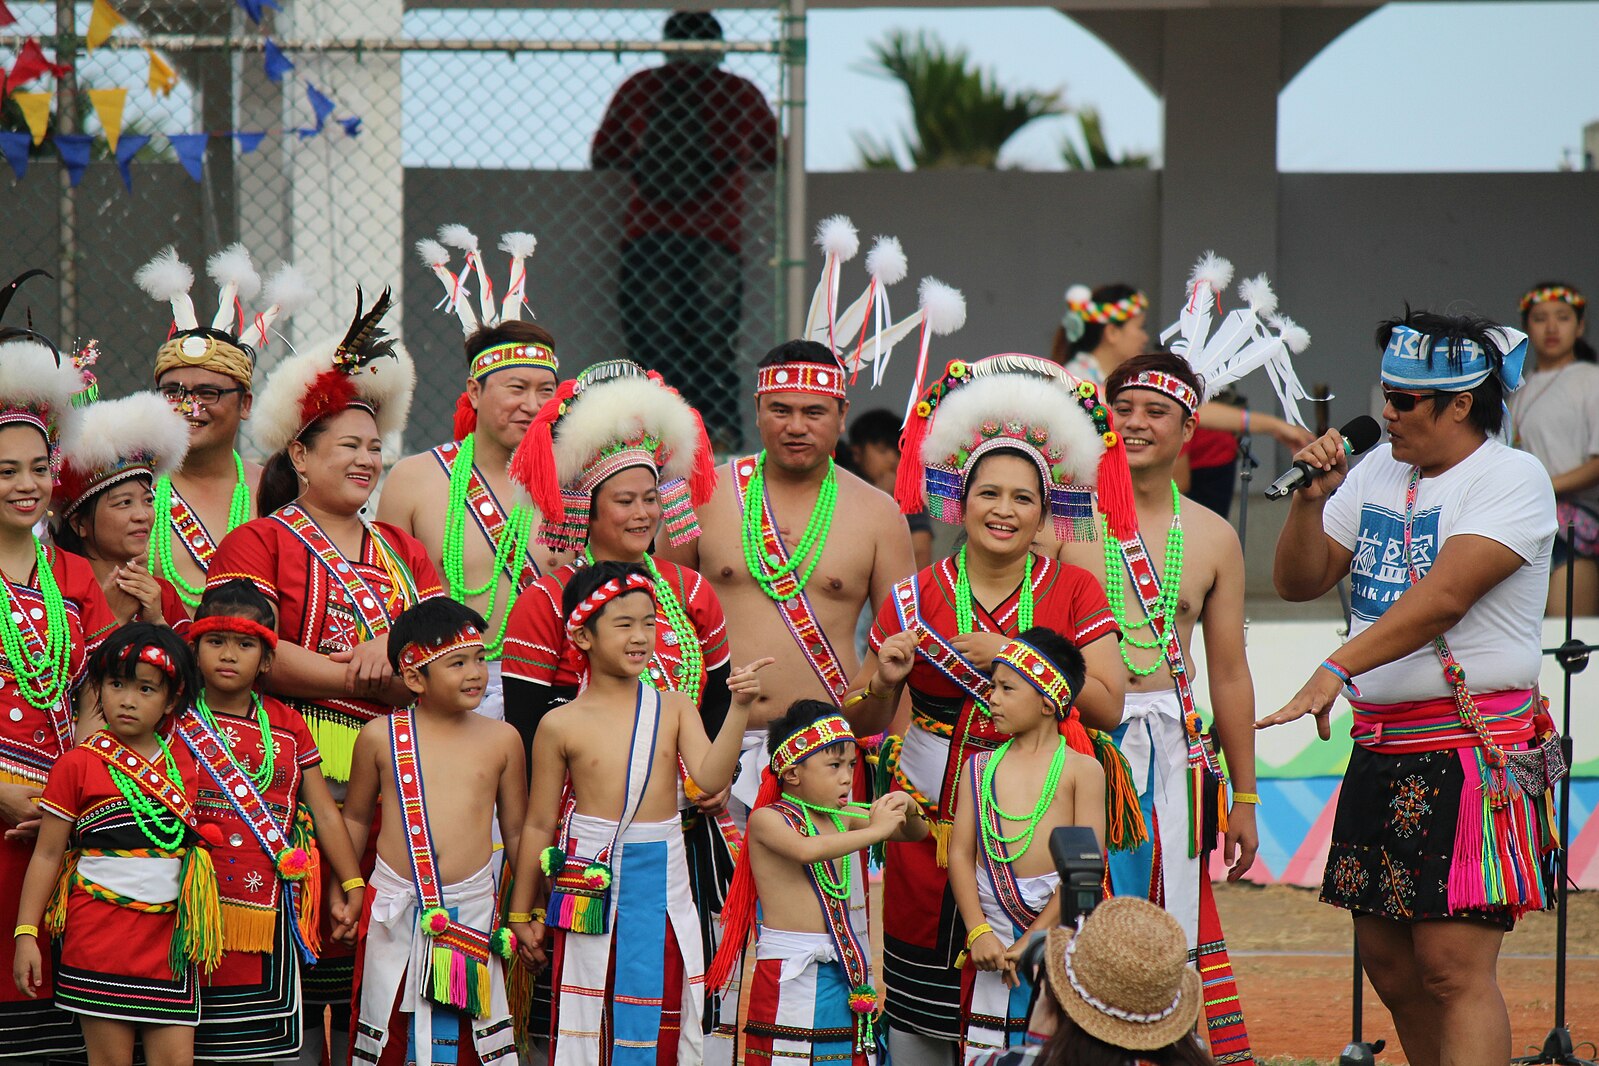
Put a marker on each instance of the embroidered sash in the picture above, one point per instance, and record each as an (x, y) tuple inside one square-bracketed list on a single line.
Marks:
[(1000, 874), (212, 753), (484, 507), (855, 957), (368, 605), (797, 613), (33, 643), (191, 532), (459, 961), (151, 781)]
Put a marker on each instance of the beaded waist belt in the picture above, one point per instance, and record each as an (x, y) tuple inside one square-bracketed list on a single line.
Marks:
[(1435, 725)]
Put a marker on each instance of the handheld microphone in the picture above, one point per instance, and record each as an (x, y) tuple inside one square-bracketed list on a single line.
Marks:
[(1359, 435)]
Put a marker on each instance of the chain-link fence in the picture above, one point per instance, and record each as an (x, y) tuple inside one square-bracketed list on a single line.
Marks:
[(644, 150)]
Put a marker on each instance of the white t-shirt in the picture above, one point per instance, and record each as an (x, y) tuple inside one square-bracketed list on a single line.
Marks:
[(1495, 492), (1556, 418)]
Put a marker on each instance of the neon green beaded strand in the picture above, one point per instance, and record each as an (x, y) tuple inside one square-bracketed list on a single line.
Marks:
[(261, 775), (44, 681), (1171, 572), (767, 570), (837, 886), (512, 544), (688, 639), (160, 827), (160, 557), (996, 843)]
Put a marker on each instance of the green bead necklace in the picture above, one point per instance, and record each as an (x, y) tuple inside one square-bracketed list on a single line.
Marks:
[(512, 544), (767, 570), (161, 535), (261, 775), (996, 844), (1171, 572), (963, 603), (688, 640), (837, 886), (43, 681), (160, 826)]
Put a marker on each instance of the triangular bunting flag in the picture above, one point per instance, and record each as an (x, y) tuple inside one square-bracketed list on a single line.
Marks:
[(108, 105), (321, 106), (275, 63), (163, 79), (6, 17), (103, 18), (14, 146), (35, 108), (352, 125), (31, 62), (249, 140), (127, 148), (74, 151), (253, 8), (191, 152)]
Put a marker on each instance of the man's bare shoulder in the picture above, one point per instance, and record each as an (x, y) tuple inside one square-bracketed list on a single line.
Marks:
[(414, 469), (1204, 527), (861, 493)]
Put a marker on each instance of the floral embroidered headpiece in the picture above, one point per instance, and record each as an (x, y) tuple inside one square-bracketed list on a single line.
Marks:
[(1082, 310)]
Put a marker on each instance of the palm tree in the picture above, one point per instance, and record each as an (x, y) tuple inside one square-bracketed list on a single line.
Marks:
[(960, 117), (1099, 156)]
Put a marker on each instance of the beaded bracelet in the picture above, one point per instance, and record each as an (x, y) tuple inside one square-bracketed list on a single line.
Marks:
[(26, 930), (971, 937), (353, 883)]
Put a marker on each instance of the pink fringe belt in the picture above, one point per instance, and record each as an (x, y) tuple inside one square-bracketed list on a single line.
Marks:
[(1435, 725)]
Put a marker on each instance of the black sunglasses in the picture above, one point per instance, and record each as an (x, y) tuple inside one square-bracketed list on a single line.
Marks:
[(1405, 402)]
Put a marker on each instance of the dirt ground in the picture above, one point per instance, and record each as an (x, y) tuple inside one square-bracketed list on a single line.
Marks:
[(1291, 956)]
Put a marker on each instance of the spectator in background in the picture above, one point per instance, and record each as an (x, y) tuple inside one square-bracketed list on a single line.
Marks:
[(874, 457), (686, 133), (1102, 329), (1556, 418)]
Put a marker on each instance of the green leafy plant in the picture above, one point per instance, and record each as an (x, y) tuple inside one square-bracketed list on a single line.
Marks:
[(1098, 155)]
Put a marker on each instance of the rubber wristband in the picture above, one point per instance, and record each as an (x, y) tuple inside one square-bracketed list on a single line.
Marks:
[(26, 930), (539, 915), (1246, 797), (353, 883), (971, 937), (519, 917)]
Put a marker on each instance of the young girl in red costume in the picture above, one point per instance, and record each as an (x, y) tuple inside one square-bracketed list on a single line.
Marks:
[(121, 871), (262, 787)]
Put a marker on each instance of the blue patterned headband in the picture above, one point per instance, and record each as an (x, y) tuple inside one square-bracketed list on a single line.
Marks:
[(1414, 360)]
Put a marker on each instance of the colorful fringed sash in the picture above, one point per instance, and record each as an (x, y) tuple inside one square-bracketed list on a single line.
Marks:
[(796, 610), (459, 960), (1435, 725), (485, 509), (581, 888), (191, 532), (292, 848)]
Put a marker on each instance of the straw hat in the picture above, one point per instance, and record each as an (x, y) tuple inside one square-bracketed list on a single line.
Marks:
[(1124, 977)]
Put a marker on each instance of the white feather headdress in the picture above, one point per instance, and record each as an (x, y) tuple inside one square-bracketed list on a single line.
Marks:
[(138, 435), (435, 256), (36, 388)]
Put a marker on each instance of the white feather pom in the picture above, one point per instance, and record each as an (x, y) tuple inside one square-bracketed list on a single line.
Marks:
[(432, 252), (142, 424), (617, 409), (1020, 397), (166, 277), (288, 289), (886, 261), (943, 306), (1079, 294), (519, 245), (1294, 335), (1257, 293), (837, 236), (232, 265), (1212, 270), (458, 236)]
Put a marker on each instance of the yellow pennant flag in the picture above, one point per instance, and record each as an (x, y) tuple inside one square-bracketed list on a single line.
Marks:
[(163, 79), (103, 18), (35, 109), (108, 104)]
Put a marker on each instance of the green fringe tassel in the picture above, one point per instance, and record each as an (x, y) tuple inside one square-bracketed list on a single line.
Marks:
[(1124, 818), (197, 937)]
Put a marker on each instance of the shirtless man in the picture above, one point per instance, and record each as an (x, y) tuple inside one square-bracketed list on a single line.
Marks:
[(813, 568), (512, 372), (1154, 398)]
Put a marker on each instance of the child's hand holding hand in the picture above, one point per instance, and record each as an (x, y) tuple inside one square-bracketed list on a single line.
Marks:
[(27, 969), (888, 813), (989, 954), (346, 914), (530, 944), (745, 684), (896, 657)]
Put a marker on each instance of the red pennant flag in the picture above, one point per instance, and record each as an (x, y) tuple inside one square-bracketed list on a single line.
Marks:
[(32, 63), (6, 17)]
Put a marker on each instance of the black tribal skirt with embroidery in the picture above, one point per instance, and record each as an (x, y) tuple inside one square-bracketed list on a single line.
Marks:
[(1393, 838)]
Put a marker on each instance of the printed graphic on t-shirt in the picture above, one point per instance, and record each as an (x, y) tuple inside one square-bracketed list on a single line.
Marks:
[(1378, 575)]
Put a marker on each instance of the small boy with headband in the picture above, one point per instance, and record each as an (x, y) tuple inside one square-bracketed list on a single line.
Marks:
[(813, 999), (432, 974), (1000, 869)]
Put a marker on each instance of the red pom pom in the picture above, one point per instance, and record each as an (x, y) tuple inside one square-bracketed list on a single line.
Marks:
[(211, 835), (330, 393), (1114, 487), (465, 417), (909, 489), (533, 463)]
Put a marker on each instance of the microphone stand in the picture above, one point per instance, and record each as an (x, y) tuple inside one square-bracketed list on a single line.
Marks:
[(1572, 655), (1246, 474)]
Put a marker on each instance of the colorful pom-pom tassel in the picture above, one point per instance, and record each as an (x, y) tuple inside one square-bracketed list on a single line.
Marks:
[(502, 942), (293, 864), (434, 921), (597, 876), (551, 860)]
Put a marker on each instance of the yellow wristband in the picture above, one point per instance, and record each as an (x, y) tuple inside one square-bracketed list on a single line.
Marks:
[(1246, 797), (27, 930), (519, 917), (971, 937), (353, 883), (539, 915)]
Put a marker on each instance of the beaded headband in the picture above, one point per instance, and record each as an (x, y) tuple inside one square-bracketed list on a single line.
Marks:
[(820, 735), (514, 354), (232, 623), (419, 655), (1036, 669), (1553, 292), (1114, 311), (816, 378), (1175, 387), (595, 601), (1106, 1008), (153, 655)]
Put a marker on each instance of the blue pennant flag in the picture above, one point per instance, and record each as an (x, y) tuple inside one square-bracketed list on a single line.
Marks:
[(14, 146), (249, 140), (191, 152), (254, 8), (128, 146), (74, 151), (321, 106), (276, 63), (352, 125)]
